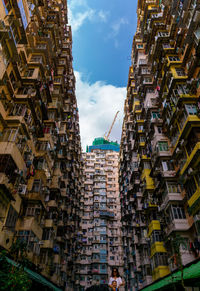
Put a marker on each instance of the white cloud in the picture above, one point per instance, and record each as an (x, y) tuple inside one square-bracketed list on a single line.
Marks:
[(115, 28), (117, 25), (79, 12), (74, 3), (103, 15), (97, 105), (77, 20)]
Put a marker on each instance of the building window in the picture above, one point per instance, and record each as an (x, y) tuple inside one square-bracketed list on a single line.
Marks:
[(198, 178), (147, 80), (9, 135), (163, 34), (160, 129), (18, 110), (36, 59), (178, 212), (4, 100), (150, 90), (13, 80), (57, 80), (47, 234), (14, 32), (23, 91), (29, 238), (29, 73), (51, 115), (155, 115), (191, 109), (163, 146), (180, 72), (181, 89), (197, 32), (140, 127), (41, 46), (172, 188), (166, 45), (37, 184), (62, 62), (167, 166), (11, 218), (174, 59), (147, 165), (160, 259), (146, 71), (142, 138), (190, 187), (156, 236)]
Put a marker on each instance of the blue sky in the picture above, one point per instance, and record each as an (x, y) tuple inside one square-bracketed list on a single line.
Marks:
[(102, 33)]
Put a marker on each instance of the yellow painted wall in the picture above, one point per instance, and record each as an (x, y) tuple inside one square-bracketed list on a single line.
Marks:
[(149, 181), (160, 272), (154, 225), (157, 247)]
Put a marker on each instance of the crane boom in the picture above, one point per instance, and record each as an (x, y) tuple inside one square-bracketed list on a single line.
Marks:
[(107, 136)]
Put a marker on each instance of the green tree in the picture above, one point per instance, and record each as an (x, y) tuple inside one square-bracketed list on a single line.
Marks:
[(176, 242), (13, 277)]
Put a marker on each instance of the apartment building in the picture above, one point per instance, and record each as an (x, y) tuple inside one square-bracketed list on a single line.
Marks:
[(40, 153), (100, 224), (159, 175)]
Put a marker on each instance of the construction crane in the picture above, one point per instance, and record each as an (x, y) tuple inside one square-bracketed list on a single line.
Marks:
[(107, 136)]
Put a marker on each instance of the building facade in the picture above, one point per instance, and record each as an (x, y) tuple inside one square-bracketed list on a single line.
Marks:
[(40, 153), (159, 173), (100, 224)]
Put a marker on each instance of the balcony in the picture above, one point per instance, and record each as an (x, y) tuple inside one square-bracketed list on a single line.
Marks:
[(177, 225), (160, 272), (154, 225), (157, 247), (5, 190), (49, 223), (56, 259), (146, 261), (10, 152), (30, 223), (47, 244), (170, 197), (193, 202), (192, 159), (142, 241), (186, 124), (168, 174)]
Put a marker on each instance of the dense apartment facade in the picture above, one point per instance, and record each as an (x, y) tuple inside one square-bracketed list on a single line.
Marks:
[(159, 173), (40, 153), (101, 220)]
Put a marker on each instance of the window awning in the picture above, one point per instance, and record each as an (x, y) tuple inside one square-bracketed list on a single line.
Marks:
[(36, 277), (190, 272)]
